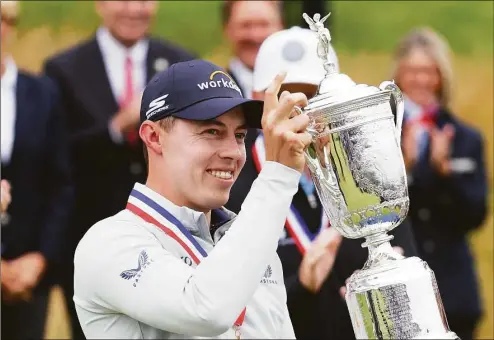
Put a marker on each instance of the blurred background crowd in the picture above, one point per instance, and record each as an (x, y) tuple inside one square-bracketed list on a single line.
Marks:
[(71, 77)]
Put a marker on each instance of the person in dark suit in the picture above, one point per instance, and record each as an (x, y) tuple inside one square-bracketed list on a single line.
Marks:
[(35, 172), (101, 81), (316, 262), (246, 24), (447, 181)]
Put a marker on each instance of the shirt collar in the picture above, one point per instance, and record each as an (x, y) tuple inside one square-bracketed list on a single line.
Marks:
[(111, 47), (243, 74), (192, 220), (9, 78)]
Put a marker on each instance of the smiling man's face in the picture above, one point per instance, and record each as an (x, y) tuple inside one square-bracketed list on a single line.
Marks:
[(203, 159)]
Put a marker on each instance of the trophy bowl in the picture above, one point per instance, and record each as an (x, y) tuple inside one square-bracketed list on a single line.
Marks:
[(355, 157), (357, 166)]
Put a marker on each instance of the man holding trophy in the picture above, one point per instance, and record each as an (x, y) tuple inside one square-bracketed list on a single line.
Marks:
[(175, 263)]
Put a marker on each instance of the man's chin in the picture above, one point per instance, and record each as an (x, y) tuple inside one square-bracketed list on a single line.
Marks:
[(218, 200)]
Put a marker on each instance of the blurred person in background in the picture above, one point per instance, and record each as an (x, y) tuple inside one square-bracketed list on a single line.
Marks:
[(446, 174), (101, 81), (246, 24), (35, 169), (316, 260)]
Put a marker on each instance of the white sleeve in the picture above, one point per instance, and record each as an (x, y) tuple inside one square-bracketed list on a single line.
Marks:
[(287, 331), (174, 297)]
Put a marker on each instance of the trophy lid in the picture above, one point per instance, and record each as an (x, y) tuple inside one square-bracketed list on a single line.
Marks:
[(335, 88)]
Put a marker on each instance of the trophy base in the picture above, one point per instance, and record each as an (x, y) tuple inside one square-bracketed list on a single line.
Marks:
[(394, 297)]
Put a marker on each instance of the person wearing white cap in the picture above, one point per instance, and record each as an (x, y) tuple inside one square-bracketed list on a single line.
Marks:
[(316, 260), (292, 50)]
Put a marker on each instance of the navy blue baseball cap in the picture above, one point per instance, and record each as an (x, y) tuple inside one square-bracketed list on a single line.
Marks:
[(196, 90)]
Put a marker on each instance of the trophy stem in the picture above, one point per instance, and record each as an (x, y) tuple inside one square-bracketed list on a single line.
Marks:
[(380, 250), (376, 239)]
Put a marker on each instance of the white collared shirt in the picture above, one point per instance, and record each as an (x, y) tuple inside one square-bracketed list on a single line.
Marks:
[(134, 280), (8, 99), (243, 75), (114, 55)]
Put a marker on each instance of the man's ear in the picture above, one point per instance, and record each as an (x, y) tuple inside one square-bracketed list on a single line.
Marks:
[(150, 134)]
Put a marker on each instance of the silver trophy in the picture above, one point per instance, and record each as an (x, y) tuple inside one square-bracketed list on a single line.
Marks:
[(357, 167)]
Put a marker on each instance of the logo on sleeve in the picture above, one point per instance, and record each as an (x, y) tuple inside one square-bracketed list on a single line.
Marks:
[(267, 276), (142, 263)]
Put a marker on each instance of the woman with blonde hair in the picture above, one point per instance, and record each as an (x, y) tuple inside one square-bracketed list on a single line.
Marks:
[(447, 180)]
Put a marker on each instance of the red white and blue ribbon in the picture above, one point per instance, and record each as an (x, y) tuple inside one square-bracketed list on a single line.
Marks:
[(152, 212), (295, 224)]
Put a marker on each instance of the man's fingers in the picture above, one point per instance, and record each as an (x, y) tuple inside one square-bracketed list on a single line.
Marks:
[(271, 94), (296, 124), (284, 110), (286, 105), (283, 95), (298, 141)]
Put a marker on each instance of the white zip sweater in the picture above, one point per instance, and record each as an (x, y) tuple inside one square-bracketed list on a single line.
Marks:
[(168, 296)]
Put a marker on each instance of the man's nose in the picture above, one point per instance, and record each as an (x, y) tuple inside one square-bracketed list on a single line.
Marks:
[(231, 149)]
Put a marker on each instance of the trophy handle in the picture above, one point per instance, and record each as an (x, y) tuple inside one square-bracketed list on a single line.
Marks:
[(397, 97)]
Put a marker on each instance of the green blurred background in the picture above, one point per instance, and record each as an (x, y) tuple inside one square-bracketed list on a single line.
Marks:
[(357, 26), (364, 34)]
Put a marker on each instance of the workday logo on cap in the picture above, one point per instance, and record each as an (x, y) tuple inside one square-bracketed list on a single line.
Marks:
[(215, 82)]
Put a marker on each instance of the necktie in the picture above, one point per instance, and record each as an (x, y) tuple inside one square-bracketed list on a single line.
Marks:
[(128, 94)]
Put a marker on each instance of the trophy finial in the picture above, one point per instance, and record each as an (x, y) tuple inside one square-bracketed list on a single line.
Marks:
[(317, 25)]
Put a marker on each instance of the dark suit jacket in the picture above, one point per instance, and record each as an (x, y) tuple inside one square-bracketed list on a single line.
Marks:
[(39, 174), (104, 171), (323, 315), (443, 210)]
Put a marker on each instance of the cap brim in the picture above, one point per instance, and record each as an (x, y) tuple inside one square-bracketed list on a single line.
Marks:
[(215, 107), (293, 77)]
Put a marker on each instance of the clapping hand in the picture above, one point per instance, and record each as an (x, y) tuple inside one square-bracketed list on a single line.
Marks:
[(441, 142), (319, 259)]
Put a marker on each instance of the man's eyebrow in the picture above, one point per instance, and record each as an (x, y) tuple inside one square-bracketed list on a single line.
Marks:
[(215, 122)]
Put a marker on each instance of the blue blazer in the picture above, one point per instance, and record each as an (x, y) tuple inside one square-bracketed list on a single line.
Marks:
[(39, 174), (443, 210)]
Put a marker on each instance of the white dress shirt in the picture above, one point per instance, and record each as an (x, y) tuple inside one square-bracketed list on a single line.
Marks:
[(114, 55), (243, 75), (8, 83)]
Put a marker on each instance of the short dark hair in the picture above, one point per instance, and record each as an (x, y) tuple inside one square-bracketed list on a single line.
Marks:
[(227, 9)]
